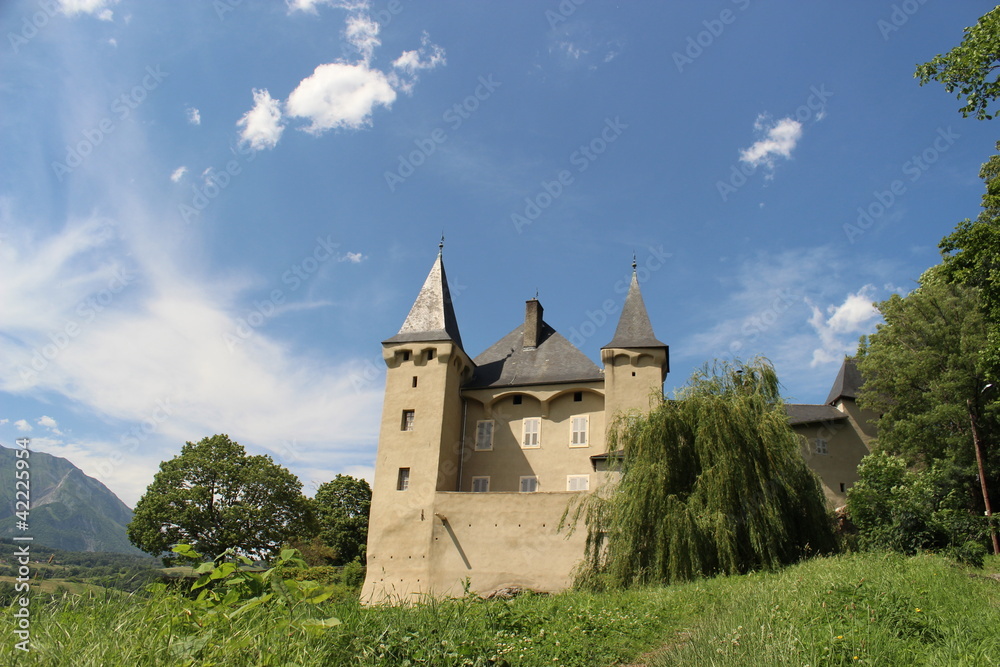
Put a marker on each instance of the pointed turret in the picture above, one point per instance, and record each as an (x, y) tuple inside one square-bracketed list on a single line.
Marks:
[(634, 329), (432, 316), (636, 362)]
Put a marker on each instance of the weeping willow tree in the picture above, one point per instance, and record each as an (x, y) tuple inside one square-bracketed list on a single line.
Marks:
[(711, 483)]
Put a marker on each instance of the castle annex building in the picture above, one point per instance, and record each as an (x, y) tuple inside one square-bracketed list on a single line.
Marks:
[(478, 458)]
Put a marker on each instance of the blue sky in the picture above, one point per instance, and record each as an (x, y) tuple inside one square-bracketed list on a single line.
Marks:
[(211, 213)]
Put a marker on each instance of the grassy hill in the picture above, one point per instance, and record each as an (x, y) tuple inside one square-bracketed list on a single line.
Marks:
[(69, 510), (873, 609)]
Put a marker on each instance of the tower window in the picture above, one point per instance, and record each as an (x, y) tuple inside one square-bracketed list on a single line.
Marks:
[(484, 435), (529, 433), (406, 355), (529, 484), (579, 435), (403, 479), (843, 487), (408, 417), (633, 373), (577, 396), (518, 399), (414, 380), (430, 354), (481, 484)]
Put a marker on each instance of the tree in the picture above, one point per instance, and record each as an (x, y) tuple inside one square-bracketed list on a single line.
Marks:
[(213, 496), (969, 67), (714, 482), (922, 375), (342, 507)]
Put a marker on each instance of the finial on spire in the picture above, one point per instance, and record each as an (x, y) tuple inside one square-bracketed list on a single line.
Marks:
[(536, 294), (441, 244), (633, 261)]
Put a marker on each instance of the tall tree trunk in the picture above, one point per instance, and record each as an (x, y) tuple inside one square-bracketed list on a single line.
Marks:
[(982, 476)]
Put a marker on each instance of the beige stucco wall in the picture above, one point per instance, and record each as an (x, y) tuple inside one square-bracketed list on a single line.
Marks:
[(632, 378), (554, 458), (845, 449)]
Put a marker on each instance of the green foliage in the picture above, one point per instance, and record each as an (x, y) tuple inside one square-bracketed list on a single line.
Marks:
[(905, 510), (972, 258), (711, 483), (215, 497), (882, 609), (969, 67), (342, 508)]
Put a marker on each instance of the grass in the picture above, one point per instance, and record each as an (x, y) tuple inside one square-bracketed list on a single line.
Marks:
[(858, 609)]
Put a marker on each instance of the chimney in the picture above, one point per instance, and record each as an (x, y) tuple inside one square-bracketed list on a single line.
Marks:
[(532, 324)]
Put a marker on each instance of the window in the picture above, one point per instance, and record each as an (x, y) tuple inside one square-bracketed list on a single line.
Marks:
[(577, 396), (430, 354), (517, 399), (403, 479), (578, 482), (414, 380), (406, 355), (529, 436), (480, 484), (821, 447), (529, 484), (843, 487), (484, 435), (407, 424), (579, 438)]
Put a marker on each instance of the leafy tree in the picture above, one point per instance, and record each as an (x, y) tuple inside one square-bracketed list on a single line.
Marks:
[(342, 508), (969, 67), (972, 257), (923, 377), (714, 482), (214, 497), (903, 509)]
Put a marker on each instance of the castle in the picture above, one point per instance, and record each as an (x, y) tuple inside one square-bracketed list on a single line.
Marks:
[(479, 458)]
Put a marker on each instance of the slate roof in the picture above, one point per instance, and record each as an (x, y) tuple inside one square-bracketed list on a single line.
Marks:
[(800, 413), (634, 329), (432, 316), (847, 384), (508, 363)]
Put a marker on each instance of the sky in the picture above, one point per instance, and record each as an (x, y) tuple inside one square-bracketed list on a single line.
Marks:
[(213, 212)]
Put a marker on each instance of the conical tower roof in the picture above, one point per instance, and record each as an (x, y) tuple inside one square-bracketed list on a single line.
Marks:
[(432, 316), (634, 329)]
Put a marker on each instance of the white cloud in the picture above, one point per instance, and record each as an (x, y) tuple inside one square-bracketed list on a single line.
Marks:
[(361, 32), (427, 57), (339, 95), (352, 257), (841, 326), (309, 6), (262, 125), (23, 425), (49, 423), (3, 421), (178, 173), (779, 140), (98, 8), (193, 116)]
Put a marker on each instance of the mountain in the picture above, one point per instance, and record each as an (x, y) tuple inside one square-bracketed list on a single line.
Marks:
[(69, 510)]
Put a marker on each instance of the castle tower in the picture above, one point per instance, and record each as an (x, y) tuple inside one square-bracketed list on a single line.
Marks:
[(635, 362), (419, 441)]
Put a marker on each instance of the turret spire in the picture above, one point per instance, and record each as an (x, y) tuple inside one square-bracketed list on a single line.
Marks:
[(432, 316), (634, 329)]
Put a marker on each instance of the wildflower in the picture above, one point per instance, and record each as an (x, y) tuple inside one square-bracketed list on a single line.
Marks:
[(918, 610)]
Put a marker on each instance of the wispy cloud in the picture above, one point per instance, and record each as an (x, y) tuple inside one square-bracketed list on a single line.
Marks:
[(178, 174), (840, 326), (23, 425), (778, 140), (98, 8), (262, 126), (193, 116)]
